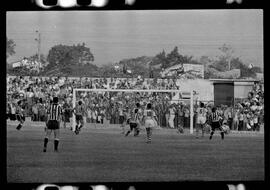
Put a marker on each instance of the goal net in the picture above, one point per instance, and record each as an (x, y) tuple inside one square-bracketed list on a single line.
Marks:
[(109, 100)]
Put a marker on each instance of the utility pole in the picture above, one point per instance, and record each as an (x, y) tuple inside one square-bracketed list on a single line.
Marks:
[(39, 44)]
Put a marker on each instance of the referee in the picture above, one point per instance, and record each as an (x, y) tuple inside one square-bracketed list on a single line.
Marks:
[(53, 124), (215, 123)]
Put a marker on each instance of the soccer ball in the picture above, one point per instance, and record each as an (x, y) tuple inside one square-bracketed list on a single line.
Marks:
[(226, 129), (207, 128), (181, 130)]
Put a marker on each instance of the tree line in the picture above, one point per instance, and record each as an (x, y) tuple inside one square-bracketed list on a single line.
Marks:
[(78, 60)]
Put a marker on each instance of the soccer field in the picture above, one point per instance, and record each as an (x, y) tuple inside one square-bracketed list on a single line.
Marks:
[(105, 155)]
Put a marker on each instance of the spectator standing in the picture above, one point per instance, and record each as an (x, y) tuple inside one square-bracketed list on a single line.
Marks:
[(167, 114), (236, 114), (186, 117), (35, 112), (171, 116), (256, 123), (180, 117), (41, 110), (241, 121), (12, 111)]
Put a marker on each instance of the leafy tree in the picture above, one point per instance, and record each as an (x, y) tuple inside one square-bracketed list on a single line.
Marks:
[(10, 47), (78, 54), (108, 70), (257, 69), (174, 57), (220, 65), (57, 53), (65, 63), (237, 63), (205, 60), (160, 59)]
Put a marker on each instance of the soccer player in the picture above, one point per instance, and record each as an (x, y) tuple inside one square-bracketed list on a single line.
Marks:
[(215, 123), (134, 121), (20, 115), (66, 108), (201, 119), (53, 124), (121, 117), (150, 121), (79, 112)]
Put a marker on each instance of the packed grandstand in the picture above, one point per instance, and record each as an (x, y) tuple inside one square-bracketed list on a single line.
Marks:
[(36, 93)]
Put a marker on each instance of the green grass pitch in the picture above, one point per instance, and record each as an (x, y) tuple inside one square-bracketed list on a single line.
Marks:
[(106, 155)]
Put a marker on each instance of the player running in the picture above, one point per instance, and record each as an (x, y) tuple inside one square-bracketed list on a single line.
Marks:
[(79, 112), (201, 119), (134, 121), (150, 121), (53, 124), (215, 119)]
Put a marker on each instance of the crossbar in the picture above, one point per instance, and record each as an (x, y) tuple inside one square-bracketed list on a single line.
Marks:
[(127, 90)]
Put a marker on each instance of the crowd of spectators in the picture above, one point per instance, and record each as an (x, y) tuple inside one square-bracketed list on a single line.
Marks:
[(37, 92)]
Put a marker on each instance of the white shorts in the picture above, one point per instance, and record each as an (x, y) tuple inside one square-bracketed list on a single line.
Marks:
[(201, 120), (150, 123)]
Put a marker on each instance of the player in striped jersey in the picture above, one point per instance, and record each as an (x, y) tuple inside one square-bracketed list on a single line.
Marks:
[(150, 121), (134, 121), (79, 113), (215, 119), (53, 124), (201, 119)]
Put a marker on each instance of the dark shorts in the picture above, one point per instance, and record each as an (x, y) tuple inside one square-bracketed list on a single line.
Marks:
[(216, 125), (133, 126), (20, 117), (121, 119), (12, 117), (66, 116), (53, 124), (79, 118)]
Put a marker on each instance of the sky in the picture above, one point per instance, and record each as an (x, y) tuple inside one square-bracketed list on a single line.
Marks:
[(116, 35)]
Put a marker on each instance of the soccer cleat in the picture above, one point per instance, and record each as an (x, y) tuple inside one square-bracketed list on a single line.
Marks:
[(19, 127), (210, 137), (55, 150), (127, 134), (44, 149), (136, 134)]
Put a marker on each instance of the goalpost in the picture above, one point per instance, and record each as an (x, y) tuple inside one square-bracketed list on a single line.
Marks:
[(188, 96)]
